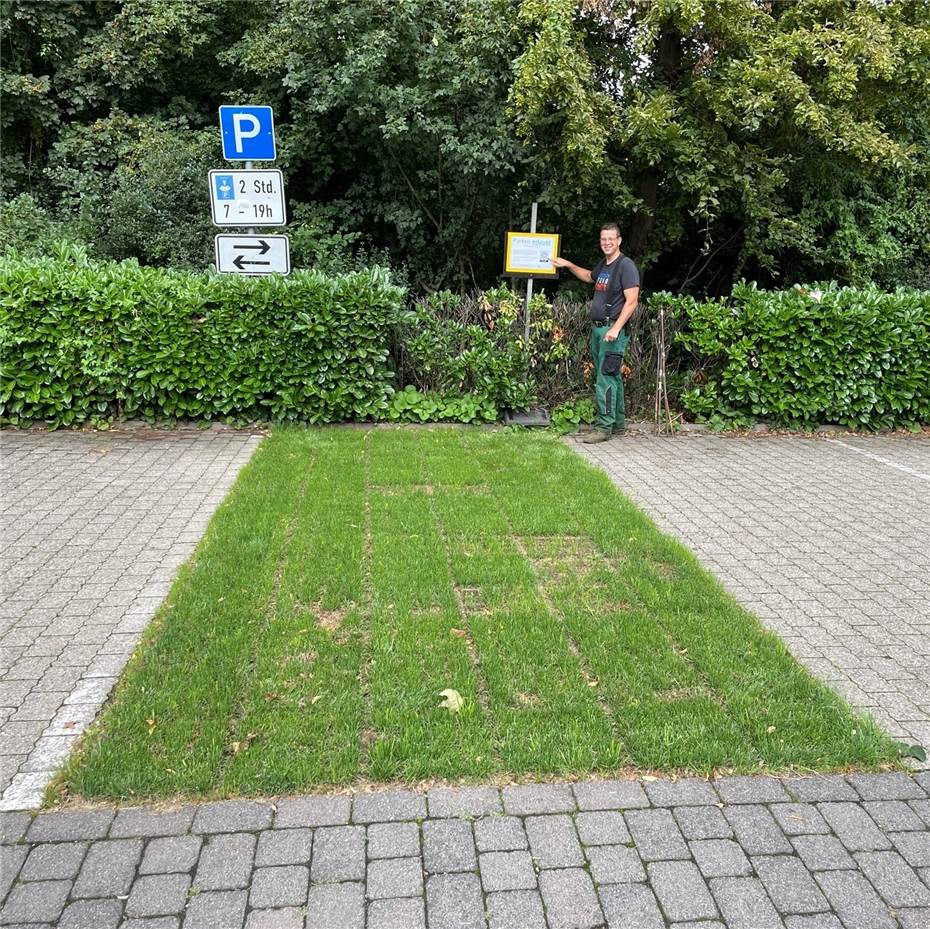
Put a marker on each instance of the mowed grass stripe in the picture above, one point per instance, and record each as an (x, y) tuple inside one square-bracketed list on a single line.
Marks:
[(303, 702), (414, 653), (165, 727)]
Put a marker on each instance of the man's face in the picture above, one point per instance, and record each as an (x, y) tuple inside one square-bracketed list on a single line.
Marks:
[(610, 243)]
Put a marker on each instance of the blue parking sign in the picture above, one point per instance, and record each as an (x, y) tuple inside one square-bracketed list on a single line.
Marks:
[(247, 133)]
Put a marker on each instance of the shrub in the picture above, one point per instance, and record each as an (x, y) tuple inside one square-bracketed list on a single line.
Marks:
[(82, 340), (817, 354)]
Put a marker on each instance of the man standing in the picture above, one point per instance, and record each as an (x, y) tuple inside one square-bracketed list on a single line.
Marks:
[(616, 294)]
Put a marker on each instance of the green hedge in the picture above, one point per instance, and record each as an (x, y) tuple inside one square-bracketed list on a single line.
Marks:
[(86, 341), (856, 357)]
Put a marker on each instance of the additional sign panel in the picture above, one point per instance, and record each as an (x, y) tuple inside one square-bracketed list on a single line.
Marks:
[(247, 132), (247, 198), (530, 254), (253, 254)]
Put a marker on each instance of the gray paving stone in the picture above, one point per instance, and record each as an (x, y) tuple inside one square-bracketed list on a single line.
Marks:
[(297, 812), (896, 882), (13, 826), (404, 913), (751, 789), (686, 791), (789, 885), (510, 909), (603, 827), (225, 862), (656, 835), (918, 918), (338, 854), (702, 822), (744, 903), (853, 827), (108, 868), (394, 877), (393, 840), (553, 841), (799, 819), (854, 901), (152, 922), (284, 846), (158, 895), (570, 899), (232, 816), (892, 786), (822, 853), (58, 861), (291, 917), (913, 846), (70, 826), (630, 906), (535, 799), (448, 845), (454, 901), (40, 901), (500, 834), (11, 860), (469, 802), (284, 885), (815, 921), (720, 858), (894, 815), (610, 795), (756, 830), (171, 854), (92, 914), (388, 806), (507, 871), (615, 864), (681, 890), (219, 909), (141, 821), (922, 809)]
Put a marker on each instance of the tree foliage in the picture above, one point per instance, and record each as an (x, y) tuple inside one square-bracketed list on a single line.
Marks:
[(779, 140)]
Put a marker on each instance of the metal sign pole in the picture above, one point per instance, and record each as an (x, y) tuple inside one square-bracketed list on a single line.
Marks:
[(249, 229), (529, 283)]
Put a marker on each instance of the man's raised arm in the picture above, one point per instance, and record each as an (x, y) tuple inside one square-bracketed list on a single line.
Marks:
[(583, 274)]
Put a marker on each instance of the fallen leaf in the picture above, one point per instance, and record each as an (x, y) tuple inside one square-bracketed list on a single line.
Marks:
[(317, 697), (650, 778), (458, 633), (235, 747), (453, 700), (151, 724), (770, 730)]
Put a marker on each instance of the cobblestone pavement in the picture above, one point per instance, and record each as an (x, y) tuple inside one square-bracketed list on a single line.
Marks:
[(93, 528), (741, 852), (824, 539)]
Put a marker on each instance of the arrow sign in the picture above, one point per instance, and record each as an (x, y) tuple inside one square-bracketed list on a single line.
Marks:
[(253, 255)]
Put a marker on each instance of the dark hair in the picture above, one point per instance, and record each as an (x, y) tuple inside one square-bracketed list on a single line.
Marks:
[(607, 227)]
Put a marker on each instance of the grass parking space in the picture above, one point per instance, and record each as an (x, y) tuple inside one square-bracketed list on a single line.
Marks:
[(352, 575)]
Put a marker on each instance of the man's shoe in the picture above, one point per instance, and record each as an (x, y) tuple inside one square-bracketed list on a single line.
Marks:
[(597, 436), (618, 430)]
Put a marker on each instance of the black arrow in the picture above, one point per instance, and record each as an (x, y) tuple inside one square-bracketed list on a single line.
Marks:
[(262, 246), (239, 261)]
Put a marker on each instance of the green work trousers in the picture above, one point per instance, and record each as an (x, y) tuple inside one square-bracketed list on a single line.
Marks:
[(608, 388)]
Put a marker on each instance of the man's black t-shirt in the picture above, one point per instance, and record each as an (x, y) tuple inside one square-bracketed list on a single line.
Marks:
[(610, 280)]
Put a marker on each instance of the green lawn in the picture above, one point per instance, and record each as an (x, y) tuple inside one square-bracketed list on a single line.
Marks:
[(352, 575)]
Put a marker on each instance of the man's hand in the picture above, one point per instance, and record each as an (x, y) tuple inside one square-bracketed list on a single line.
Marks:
[(612, 334), (560, 262)]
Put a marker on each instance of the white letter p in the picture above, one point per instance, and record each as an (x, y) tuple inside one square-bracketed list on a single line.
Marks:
[(240, 133)]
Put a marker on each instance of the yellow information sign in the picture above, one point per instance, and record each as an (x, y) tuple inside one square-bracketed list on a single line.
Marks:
[(530, 254)]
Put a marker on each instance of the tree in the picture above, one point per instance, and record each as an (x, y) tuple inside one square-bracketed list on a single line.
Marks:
[(708, 125)]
